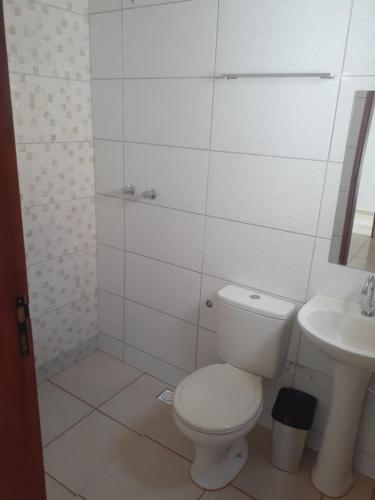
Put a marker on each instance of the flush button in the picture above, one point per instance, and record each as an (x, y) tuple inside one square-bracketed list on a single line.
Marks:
[(255, 297)]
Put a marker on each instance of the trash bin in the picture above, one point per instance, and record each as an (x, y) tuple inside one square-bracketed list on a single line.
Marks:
[(293, 413)]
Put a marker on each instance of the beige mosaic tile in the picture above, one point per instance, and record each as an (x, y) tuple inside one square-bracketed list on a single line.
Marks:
[(46, 41), (60, 281), (58, 229), (49, 173), (50, 110), (61, 330)]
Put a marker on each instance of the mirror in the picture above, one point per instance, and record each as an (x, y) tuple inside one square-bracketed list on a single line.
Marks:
[(353, 239)]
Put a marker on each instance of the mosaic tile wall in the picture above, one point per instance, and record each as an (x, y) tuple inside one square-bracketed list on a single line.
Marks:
[(49, 63)]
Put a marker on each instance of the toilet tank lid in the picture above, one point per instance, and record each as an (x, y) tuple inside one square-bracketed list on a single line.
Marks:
[(255, 302)]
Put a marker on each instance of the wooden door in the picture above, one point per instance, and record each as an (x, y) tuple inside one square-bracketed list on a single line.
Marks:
[(21, 463)]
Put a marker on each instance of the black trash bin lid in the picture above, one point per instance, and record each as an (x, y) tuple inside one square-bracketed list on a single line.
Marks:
[(294, 408)]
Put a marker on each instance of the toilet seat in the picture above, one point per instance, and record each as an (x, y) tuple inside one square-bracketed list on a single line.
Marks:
[(218, 399)]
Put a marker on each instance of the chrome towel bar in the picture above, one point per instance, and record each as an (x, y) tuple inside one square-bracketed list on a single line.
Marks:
[(235, 76)]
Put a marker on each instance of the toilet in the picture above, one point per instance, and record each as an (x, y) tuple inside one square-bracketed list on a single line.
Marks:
[(216, 406)]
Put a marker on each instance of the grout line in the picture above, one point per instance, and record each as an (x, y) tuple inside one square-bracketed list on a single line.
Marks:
[(52, 77), (83, 296), (298, 301), (59, 202), (146, 436), (71, 426), (51, 381), (84, 250), (207, 187), (123, 388), (158, 359), (36, 143), (242, 491), (209, 216), (126, 78), (82, 14), (60, 483), (155, 5), (244, 153)]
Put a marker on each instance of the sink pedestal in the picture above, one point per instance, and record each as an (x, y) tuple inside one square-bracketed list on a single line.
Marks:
[(332, 474)]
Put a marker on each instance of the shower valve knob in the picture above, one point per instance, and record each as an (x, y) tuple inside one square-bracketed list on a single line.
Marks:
[(128, 189), (151, 194)]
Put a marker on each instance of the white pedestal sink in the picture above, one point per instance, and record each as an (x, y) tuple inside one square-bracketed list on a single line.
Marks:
[(338, 329)]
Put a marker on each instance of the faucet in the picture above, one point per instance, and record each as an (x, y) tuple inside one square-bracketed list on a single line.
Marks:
[(368, 297)]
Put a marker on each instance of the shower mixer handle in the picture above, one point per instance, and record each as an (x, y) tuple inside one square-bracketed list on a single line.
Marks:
[(128, 189), (151, 194)]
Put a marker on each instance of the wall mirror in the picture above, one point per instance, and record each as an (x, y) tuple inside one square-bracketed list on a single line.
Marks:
[(353, 239)]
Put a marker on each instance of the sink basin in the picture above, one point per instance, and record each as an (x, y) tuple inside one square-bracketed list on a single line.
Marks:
[(338, 329)]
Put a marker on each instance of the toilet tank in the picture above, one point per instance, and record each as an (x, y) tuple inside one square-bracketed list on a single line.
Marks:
[(253, 329)]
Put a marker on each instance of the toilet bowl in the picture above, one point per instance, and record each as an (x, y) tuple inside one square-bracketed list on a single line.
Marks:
[(216, 406)]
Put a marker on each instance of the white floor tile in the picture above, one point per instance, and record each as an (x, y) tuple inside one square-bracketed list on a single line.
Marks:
[(138, 407), (84, 452), (58, 411), (97, 378), (145, 471), (57, 492)]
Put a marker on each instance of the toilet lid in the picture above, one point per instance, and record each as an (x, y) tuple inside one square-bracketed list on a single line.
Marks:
[(218, 399)]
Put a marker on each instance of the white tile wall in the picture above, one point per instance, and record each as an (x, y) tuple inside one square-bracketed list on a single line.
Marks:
[(274, 192), (154, 366), (307, 36), (172, 112), (140, 3), (162, 286), (111, 269), (179, 175), (163, 336), (106, 40), (107, 109), (207, 348), (104, 5), (360, 54), (276, 116), (110, 221), (148, 51), (275, 261), (111, 315), (240, 168), (164, 234), (109, 167)]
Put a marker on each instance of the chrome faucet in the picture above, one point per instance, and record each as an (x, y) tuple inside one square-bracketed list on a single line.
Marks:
[(368, 297)]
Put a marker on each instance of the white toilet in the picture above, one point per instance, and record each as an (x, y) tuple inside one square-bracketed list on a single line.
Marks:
[(218, 405)]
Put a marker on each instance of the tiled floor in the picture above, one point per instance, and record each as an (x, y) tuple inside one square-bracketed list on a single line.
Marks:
[(108, 437)]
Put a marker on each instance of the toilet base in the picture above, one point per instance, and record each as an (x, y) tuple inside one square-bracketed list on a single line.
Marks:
[(214, 468)]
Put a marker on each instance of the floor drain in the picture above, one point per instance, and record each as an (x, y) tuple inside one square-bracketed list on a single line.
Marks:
[(239, 455), (166, 396)]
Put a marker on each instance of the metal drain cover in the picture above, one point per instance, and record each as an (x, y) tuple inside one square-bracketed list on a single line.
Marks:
[(166, 396)]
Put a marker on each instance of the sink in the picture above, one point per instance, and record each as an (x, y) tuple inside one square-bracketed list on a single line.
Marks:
[(337, 328)]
